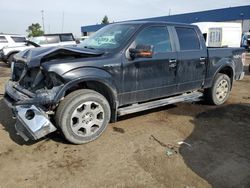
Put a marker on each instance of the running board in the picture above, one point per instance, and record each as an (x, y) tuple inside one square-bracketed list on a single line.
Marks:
[(187, 97)]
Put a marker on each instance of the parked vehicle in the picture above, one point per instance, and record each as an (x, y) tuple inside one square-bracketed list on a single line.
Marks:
[(60, 39), (221, 34), (11, 40), (7, 53), (143, 65), (64, 39), (246, 41)]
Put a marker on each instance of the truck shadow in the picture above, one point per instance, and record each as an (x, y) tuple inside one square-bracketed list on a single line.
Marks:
[(220, 151)]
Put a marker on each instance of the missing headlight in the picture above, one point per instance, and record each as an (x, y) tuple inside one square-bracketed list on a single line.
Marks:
[(52, 80)]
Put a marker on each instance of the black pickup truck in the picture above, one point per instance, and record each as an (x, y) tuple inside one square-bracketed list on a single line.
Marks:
[(123, 68)]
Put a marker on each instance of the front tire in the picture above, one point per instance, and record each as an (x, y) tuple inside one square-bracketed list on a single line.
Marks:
[(83, 116), (220, 91)]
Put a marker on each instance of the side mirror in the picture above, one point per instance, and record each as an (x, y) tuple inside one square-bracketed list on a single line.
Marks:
[(141, 51)]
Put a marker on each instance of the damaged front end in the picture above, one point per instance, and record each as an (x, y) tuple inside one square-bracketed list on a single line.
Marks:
[(33, 92), (30, 94)]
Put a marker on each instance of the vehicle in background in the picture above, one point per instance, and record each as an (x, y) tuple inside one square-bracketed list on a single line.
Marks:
[(246, 40), (84, 38), (59, 39), (48, 40), (11, 40), (221, 34)]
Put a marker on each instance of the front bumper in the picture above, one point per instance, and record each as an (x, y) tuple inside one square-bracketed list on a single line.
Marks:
[(32, 122)]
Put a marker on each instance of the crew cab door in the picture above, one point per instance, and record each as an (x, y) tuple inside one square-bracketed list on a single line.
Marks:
[(155, 77), (192, 59)]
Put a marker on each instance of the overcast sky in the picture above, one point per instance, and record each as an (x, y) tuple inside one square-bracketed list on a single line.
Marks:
[(17, 15)]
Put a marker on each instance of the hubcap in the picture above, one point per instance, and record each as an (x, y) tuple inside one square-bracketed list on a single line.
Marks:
[(87, 119), (222, 90)]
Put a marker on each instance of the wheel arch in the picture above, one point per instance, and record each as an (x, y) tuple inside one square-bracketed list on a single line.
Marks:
[(101, 86), (11, 53), (227, 70)]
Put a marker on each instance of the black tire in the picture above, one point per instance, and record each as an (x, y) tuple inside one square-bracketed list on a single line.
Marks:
[(75, 103), (213, 96)]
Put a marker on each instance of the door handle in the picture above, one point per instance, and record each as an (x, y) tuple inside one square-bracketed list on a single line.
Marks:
[(202, 60), (172, 61)]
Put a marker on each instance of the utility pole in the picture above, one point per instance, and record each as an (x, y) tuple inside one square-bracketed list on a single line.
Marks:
[(169, 12), (42, 11)]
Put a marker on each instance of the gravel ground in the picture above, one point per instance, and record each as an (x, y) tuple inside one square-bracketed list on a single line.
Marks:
[(134, 151)]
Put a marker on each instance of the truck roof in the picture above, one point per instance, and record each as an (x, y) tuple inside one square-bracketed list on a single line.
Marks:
[(152, 22)]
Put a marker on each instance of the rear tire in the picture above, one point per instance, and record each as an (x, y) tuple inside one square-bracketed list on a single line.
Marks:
[(83, 116), (220, 90)]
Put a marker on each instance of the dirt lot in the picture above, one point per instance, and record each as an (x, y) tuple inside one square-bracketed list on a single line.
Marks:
[(133, 151)]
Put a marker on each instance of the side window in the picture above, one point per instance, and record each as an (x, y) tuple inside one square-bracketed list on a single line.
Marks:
[(156, 36), (52, 39), (19, 39), (3, 39), (188, 39), (66, 37)]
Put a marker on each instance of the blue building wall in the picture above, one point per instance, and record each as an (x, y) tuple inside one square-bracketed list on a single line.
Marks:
[(217, 15)]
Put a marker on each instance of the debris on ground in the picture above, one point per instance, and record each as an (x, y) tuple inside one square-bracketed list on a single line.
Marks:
[(184, 143), (119, 130), (170, 148)]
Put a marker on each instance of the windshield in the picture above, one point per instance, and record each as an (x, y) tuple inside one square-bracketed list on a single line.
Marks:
[(110, 37)]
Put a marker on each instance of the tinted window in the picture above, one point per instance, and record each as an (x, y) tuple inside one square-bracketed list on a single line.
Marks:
[(3, 39), (19, 39), (158, 37), (188, 39), (52, 39), (66, 38)]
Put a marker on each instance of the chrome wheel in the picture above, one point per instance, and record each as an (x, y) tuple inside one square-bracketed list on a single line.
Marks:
[(87, 119), (222, 90)]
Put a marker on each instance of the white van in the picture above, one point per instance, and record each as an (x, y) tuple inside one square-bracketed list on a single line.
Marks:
[(221, 34)]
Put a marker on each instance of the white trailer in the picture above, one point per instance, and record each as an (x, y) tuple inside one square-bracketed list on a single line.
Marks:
[(221, 34)]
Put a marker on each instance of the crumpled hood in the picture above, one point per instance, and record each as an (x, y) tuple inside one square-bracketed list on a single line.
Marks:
[(34, 57)]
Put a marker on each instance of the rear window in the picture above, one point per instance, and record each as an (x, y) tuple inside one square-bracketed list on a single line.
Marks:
[(188, 39), (66, 38), (3, 39), (19, 39)]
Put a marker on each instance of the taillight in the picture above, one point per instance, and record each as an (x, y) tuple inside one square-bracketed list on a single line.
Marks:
[(243, 58)]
